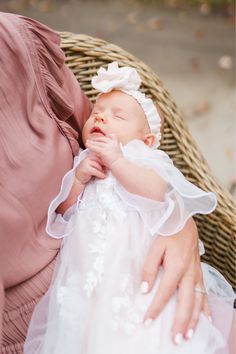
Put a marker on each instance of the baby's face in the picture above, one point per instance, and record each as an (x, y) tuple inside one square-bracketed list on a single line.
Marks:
[(116, 113)]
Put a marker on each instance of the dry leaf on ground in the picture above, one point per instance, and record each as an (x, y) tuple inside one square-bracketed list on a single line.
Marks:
[(155, 23), (202, 107)]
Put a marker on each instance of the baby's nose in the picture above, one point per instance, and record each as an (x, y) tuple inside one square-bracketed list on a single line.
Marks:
[(100, 118)]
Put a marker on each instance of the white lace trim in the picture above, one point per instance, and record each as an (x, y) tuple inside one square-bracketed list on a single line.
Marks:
[(67, 297), (101, 194), (106, 200), (125, 315), (97, 248)]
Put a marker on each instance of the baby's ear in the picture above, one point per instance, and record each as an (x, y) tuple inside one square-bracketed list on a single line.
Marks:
[(149, 139)]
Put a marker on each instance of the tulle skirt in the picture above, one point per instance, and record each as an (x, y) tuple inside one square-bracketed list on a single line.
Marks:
[(94, 304)]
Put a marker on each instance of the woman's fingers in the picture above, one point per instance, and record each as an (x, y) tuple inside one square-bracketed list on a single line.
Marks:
[(180, 260), (167, 286), (198, 307), (201, 304), (184, 309), (191, 301), (151, 266), (172, 273)]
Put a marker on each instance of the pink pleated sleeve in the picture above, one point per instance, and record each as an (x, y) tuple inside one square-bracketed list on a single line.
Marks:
[(42, 108)]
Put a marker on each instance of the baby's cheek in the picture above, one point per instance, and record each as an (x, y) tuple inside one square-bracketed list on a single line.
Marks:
[(85, 132)]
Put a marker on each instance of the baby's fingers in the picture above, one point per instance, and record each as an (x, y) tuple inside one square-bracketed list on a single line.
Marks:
[(100, 139), (98, 173), (95, 146), (97, 164), (97, 170)]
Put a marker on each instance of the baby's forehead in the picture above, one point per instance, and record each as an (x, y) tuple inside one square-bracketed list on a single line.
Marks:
[(118, 99), (114, 95)]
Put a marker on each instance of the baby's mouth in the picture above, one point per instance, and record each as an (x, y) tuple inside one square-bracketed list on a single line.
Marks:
[(97, 130)]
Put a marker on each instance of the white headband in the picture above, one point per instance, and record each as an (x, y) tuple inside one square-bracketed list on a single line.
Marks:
[(127, 80)]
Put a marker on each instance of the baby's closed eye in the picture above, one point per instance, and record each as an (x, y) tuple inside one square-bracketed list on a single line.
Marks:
[(119, 117)]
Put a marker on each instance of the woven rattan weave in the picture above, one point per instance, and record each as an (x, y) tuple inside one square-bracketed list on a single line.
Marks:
[(84, 55)]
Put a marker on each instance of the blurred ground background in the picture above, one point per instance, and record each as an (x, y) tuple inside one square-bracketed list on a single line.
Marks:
[(189, 44)]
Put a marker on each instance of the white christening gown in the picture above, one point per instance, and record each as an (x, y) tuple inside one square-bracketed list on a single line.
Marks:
[(94, 304)]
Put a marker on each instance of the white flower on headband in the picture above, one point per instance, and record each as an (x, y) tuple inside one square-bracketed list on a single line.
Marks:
[(125, 78)]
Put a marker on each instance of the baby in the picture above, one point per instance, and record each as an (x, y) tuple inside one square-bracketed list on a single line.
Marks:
[(121, 192), (117, 112)]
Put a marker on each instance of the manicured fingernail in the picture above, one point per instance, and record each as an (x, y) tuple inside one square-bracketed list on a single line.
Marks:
[(144, 287), (190, 333), (178, 338), (147, 322), (210, 319)]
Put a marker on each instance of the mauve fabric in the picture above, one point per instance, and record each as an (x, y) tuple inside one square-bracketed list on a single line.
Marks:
[(42, 107)]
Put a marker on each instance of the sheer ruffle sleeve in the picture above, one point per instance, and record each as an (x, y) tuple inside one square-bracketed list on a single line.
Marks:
[(59, 226), (182, 198)]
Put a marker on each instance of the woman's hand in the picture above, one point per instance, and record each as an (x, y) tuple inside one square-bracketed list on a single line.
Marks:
[(179, 257)]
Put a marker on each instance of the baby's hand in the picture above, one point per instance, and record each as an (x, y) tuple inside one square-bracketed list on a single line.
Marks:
[(107, 148), (89, 167)]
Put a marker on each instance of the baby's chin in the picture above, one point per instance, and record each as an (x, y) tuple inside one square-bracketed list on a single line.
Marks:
[(127, 141)]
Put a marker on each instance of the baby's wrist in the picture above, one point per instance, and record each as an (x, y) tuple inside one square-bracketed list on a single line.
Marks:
[(117, 163), (78, 184)]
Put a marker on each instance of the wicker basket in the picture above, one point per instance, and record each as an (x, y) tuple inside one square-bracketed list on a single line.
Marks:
[(84, 55)]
